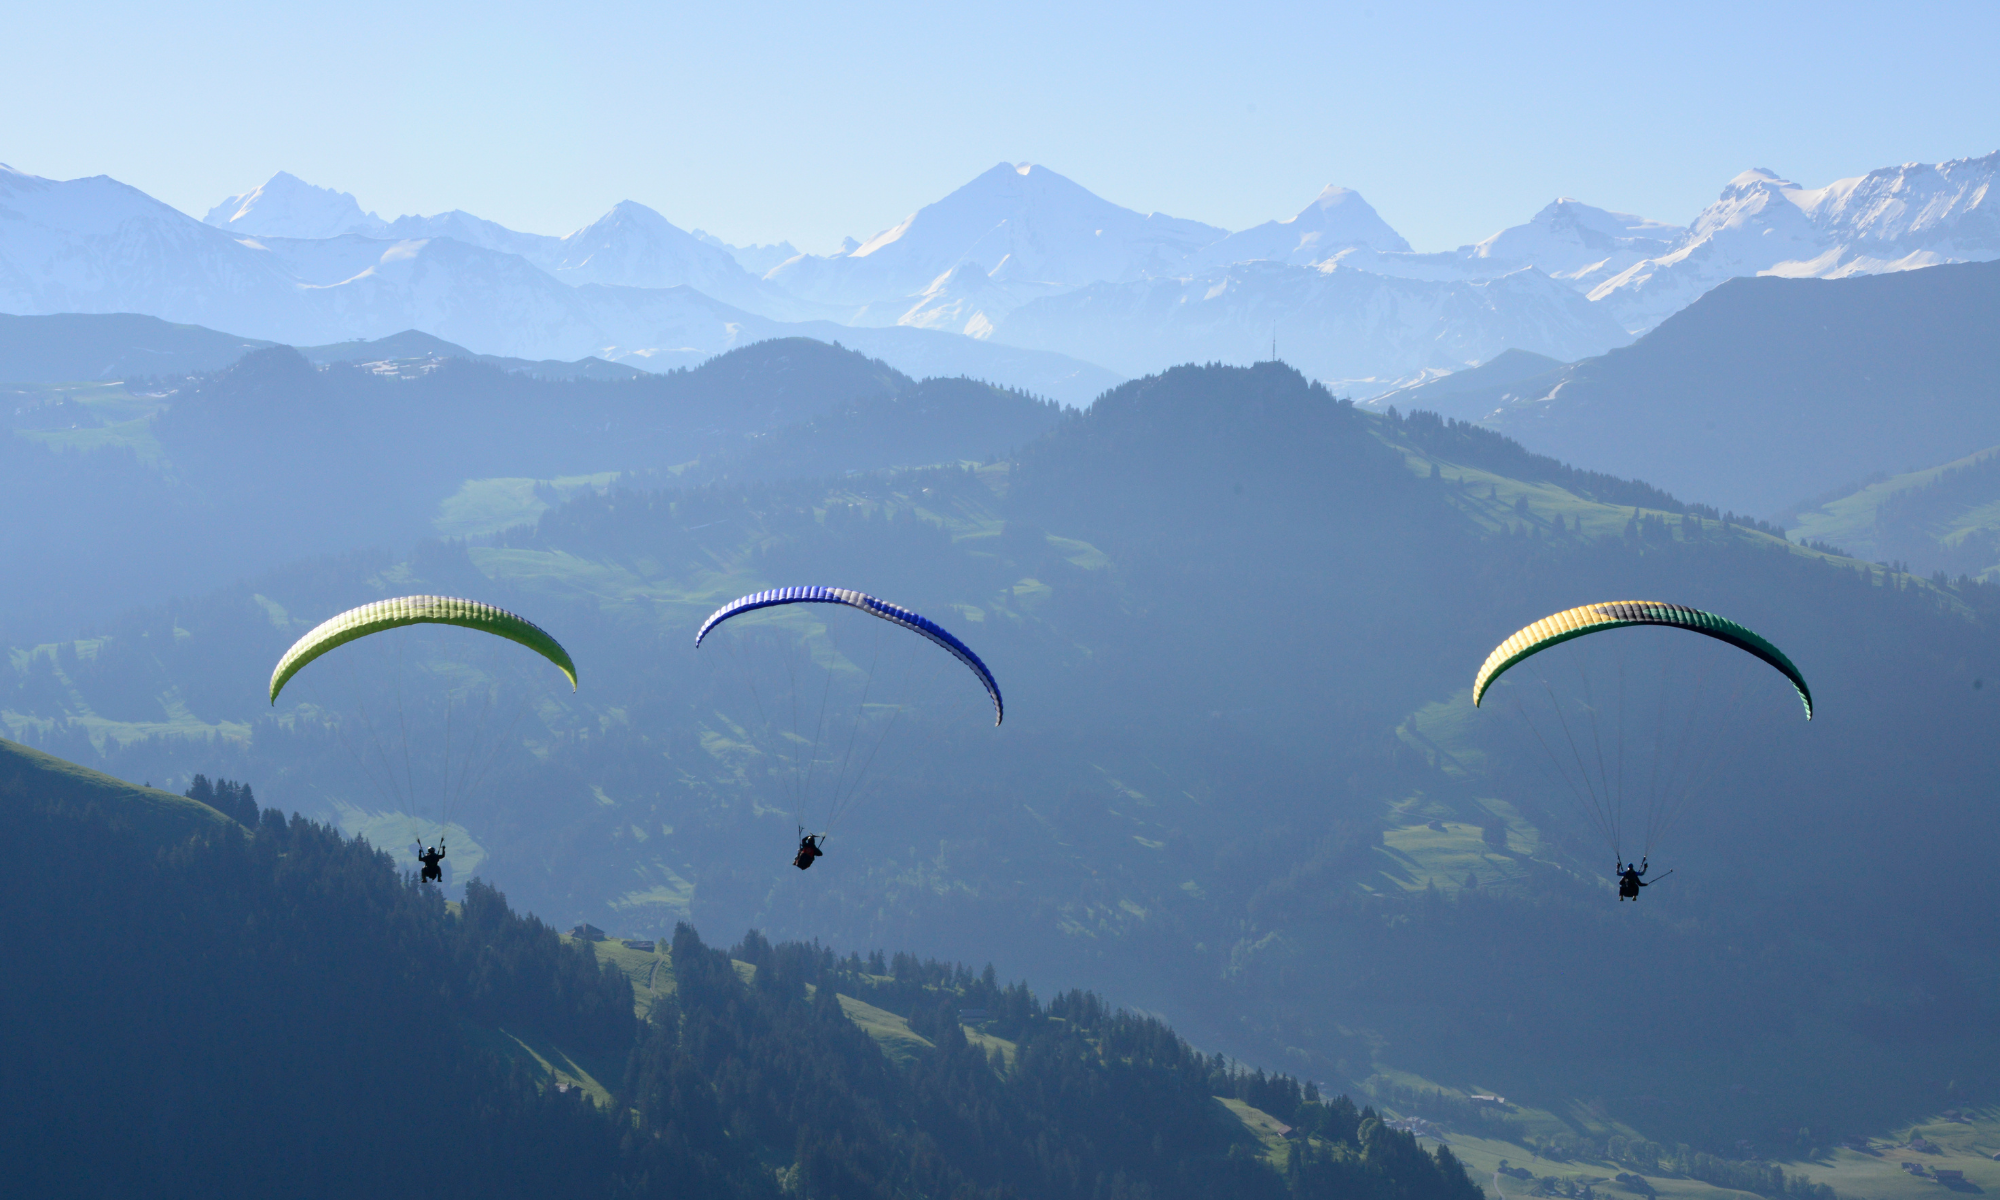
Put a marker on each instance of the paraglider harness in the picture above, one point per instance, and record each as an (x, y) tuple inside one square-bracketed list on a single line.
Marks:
[(430, 858), (1629, 882), (808, 848)]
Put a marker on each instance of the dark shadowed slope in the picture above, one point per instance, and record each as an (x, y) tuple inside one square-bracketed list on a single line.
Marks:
[(1767, 391), (308, 1023), (276, 1012), (81, 346)]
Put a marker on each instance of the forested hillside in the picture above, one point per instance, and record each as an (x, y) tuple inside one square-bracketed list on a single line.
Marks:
[(301, 998), (168, 485), (1240, 782)]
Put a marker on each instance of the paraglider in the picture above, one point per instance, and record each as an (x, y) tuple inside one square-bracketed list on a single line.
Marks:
[(1627, 731), (829, 694), (1629, 881), (443, 700), (808, 850)]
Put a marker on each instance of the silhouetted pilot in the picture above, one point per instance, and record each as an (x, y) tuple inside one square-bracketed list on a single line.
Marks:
[(1629, 882), (431, 858), (808, 850)]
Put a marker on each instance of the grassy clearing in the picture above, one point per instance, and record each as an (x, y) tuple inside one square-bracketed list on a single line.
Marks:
[(1483, 1157), (1963, 1141), (1267, 1129), (392, 832), (136, 436), (1850, 1173), (617, 588), (1415, 857), (549, 1064), (1419, 856), (1851, 522), (651, 972), (1966, 1142), (485, 506), (989, 1043), (891, 1032), (1502, 505), (86, 416), (107, 402), (176, 719), (667, 894)]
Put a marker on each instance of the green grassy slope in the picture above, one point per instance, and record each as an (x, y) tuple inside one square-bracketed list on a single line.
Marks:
[(32, 778), (1545, 1144), (1944, 518)]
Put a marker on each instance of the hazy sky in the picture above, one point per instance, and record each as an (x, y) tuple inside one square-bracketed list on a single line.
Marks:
[(814, 121)]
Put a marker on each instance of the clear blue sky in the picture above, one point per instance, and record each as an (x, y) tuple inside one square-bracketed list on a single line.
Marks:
[(812, 121)]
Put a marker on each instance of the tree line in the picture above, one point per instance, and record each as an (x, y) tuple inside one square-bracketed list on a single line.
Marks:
[(268, 1007)]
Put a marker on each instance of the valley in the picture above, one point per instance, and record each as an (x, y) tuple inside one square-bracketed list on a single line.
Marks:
[(1108, 851)]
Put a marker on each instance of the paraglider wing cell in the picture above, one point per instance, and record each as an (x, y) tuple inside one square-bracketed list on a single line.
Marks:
[(892, 613), (1616, 614), (418, 610)]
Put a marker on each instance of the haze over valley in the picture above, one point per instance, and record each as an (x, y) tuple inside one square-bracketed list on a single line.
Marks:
[(1376, 614)]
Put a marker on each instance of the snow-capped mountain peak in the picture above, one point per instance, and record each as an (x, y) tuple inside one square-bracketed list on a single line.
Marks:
[(1897, 218), (1574, 221), (634, 246), (1757, 196), (98, 245), (1339, 216), (1337, 220), (1915, 202), (1019, 222), (1577, 242), (287, 206)]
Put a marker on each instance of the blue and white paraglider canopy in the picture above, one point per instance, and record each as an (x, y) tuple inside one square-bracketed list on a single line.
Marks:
[(893, 613)]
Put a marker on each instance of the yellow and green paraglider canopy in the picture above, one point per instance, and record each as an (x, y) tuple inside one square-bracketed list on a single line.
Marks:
[(418, 610), (1560, 627)]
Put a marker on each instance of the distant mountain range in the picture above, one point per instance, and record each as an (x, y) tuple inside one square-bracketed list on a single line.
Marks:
[(1018, 257), (98, 246)]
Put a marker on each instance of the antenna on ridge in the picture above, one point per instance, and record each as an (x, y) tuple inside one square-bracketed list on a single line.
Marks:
[(1274, 341)]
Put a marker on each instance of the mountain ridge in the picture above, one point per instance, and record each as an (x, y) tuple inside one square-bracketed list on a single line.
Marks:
[(1016, 236), (1768, 390)]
